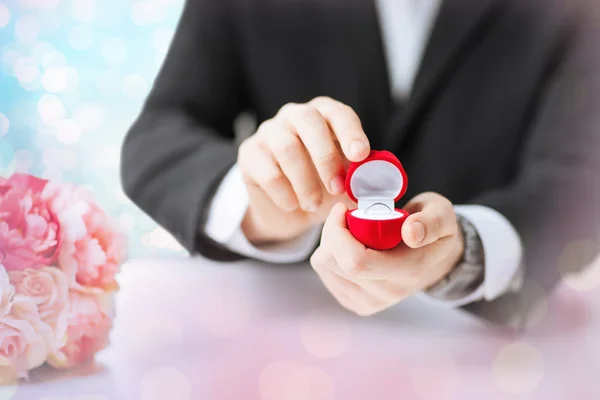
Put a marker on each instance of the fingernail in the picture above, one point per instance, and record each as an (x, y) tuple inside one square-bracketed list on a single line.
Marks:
[(419, 231), (357, 147), (336, 185)]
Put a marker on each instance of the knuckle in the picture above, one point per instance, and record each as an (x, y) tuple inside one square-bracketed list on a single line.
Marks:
[(287, 146), (312, 193), (328, 158), (287, 108), (305, 111), (322, 100), (273, 182)]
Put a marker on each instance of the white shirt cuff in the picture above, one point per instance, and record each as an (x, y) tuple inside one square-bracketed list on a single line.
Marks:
[(503, 252), (226, 212)]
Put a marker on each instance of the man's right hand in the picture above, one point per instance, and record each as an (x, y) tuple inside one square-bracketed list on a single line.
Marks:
[(294, 167)]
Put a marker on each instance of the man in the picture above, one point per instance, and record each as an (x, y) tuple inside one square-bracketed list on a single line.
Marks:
[(477, 98)]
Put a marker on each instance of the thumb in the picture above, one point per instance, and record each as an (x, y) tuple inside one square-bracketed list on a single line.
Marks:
[(435, 219), (337, 216)]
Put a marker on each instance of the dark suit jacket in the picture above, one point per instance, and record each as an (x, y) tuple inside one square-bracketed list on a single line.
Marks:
[(504, 111)]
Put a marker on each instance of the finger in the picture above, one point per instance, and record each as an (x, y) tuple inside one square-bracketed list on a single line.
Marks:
[(346, 127), (348, 252), (350, 295), (259, 168), (294, 161), (314, 132), (433, 220)]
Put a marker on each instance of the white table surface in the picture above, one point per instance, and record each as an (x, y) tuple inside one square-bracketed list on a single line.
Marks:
[(194, 329)]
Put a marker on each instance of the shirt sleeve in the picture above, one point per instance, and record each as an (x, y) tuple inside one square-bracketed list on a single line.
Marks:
[(503, 254), (223, 225)]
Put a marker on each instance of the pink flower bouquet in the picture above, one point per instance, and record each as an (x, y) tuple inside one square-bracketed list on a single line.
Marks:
[(59, 254)]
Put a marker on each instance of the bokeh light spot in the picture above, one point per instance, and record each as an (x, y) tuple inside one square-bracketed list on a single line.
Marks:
[(84, 10), (518, 368), (442, 370), (4, 16), (53, 58), (4, 124), (40, 4), (26, 70), (90, 117), (68, 132), (579, 266), (158, 336), (135, 87), (23, 160), (27, 29), (51, 110), (229, 314), (165, 383), (162, 39), (325, 337), (114, 51), (55, 80), (80, 37), (147, 12), (286, 380)]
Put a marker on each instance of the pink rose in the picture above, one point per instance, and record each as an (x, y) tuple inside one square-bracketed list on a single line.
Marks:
[(25, 340), (29, 230), (89, 325), (92, 247), (7, 293), (48, 288)]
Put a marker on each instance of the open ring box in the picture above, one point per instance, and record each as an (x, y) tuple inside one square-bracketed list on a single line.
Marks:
[(376, 183)]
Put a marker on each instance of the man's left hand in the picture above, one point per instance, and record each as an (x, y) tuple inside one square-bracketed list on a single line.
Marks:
[(367, 281)]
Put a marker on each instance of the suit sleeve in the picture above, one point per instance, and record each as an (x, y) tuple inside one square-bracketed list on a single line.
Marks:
[(554, 200), (182, 143)]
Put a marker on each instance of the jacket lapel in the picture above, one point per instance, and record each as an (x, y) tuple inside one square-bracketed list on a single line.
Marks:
[(459, 26)]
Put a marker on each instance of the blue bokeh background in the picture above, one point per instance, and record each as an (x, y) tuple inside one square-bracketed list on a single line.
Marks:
[(73, 76)]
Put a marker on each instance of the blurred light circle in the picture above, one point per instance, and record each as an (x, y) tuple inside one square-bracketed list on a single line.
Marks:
[(26, 70), (4, 16), (55, 158), (72, 78), (9, 57), (579, 266), (518, 368), (84, 10), (4, 124), (55, 79), (51, 110), (324, 336), (39, 49), (147, 12), (80, 37), (109, 83), (165, 383), (54, 58), (68, 159), (68, 132), (90, 117), (286, 380), (52, 174), (114, 50), (162, 39), (106, 157), (127, 222), (442, 370), (27, 29), (159, 336), (42, 4), (135, 87), (24, 160)]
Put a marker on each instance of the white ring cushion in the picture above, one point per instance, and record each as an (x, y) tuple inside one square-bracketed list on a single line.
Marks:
[(375, 182)]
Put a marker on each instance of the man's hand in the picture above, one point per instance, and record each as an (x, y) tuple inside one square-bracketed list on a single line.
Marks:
[(367, 281), (294, 167)]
